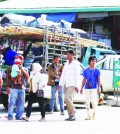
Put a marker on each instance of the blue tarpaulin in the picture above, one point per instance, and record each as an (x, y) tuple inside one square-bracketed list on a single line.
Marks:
[(69, 17), (57, 17)]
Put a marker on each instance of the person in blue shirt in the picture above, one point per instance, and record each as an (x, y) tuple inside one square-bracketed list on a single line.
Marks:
[(91, 84)]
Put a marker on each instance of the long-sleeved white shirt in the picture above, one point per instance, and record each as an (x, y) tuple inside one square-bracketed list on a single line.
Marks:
[(70, 74), (38, 79)]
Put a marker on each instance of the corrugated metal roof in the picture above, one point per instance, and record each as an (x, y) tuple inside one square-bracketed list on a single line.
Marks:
[(53, 6), (58, 3)]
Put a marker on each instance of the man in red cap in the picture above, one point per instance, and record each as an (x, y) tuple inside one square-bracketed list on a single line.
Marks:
[(20, 57), (16, 91)]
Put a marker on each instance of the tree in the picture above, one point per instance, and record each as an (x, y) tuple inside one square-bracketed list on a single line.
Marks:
[(2, 0)]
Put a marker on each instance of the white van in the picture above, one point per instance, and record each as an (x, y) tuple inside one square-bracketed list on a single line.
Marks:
[(105, 64)]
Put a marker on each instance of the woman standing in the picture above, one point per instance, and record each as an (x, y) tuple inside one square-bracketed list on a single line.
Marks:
[(37, 82)]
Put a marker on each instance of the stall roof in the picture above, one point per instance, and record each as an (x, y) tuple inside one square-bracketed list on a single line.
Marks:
[(57, 6)]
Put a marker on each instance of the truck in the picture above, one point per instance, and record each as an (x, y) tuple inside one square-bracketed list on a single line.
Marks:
[(50, 40)]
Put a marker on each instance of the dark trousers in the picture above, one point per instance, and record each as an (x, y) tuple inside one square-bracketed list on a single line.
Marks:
[(33, 98)]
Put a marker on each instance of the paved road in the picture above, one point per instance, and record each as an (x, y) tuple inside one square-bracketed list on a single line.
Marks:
[(107, 122)]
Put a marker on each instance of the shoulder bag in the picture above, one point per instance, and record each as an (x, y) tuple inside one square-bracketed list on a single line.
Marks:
[(39, 92)]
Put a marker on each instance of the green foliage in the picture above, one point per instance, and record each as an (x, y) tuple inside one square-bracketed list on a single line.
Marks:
[(2, 0)]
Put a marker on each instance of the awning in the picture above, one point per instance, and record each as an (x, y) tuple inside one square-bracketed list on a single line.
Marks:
[(115, 13), (60, 10)]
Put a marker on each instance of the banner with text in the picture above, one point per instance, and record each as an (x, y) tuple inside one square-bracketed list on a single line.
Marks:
[(116, 74)]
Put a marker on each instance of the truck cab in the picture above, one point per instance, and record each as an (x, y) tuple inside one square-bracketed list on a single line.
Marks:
[(98, 52), (105, 65)]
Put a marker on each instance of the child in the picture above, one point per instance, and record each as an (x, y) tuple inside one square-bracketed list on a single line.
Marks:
[(16, 70)]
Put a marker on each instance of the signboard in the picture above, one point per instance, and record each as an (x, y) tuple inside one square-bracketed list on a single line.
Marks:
[(116, 74)]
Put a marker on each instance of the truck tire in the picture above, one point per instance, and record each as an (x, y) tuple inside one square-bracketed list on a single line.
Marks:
[(5, 104), (4, 98), (47, 107), (91, 105), (56, 105)]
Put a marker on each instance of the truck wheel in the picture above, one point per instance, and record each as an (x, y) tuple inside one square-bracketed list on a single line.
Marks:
[(101, 88), (56, 106), (4, 98), (91, 105), (5, 104), (47, 101), (47, 107)]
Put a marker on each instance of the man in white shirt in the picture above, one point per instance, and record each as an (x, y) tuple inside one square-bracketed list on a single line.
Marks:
[(70, 79)]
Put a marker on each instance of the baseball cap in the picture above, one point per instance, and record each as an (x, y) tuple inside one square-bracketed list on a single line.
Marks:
[(17, 61), (20, 57)]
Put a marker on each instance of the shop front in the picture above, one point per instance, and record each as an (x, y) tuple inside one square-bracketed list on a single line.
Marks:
[(99, 26), (102, 27)]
